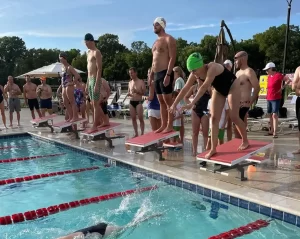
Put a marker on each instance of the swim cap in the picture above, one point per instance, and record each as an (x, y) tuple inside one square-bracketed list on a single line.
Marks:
[(63, 55), (195, 61), (161, 21)]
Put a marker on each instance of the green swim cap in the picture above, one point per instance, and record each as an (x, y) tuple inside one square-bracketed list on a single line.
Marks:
[(195, 61)]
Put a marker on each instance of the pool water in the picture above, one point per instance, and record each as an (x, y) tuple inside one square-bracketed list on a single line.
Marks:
[(185, 214)]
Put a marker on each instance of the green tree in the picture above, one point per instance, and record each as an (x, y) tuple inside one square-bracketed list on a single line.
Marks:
[(271, 43), (12, 49), (73, 53)]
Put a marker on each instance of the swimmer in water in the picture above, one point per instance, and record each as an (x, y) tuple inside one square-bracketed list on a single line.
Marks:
[(104, 230)]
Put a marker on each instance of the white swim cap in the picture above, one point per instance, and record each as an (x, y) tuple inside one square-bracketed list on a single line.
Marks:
[(228, 62), (161, 21)]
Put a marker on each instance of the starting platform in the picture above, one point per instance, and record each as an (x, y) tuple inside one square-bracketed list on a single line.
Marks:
[(46, 121), (100, 134), (229, 157), (66, 127), (149, 142)]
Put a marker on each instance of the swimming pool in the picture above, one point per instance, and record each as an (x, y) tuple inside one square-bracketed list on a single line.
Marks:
[(185, 214)]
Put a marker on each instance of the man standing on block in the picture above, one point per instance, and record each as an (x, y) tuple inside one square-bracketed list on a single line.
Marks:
[(94, 82), (164, 57)]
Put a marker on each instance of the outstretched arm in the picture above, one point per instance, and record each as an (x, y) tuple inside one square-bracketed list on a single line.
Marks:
[(190, 82)]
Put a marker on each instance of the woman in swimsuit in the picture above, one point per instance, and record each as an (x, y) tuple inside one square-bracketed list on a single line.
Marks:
[(67, 74), (79, 94), (103, 230), (199, 115), (225, 85), (2, 96)]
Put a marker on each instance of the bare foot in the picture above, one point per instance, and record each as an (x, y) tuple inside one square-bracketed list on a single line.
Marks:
[(297, 166), (134, 136), (103, 125), (74, 119), (296, 152), (160, 129), (210, 154), (194, 154), (91, 130), (11, 125), (168, 129), (244, 146)]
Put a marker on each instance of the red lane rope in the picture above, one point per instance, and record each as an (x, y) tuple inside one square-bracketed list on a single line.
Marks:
[(29, 158), (241, 231), (12, 147), (44, 212), (44, 175)]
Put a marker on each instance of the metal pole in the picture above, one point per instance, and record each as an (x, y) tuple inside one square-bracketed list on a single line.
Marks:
[(286, 45)]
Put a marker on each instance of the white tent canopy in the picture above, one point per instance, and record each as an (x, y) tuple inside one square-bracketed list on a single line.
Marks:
[(52, 70)]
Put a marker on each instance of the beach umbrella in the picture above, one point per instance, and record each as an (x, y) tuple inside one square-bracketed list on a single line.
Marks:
[(222, 49), (52, 70)]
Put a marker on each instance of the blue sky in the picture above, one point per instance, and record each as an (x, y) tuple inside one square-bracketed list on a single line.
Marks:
[(63, 23)]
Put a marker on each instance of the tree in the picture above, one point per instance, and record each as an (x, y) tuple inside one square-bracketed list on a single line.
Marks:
[(271, 43), (71, 54), (12, 49)]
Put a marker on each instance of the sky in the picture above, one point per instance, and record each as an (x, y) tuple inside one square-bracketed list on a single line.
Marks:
[(62, 24)]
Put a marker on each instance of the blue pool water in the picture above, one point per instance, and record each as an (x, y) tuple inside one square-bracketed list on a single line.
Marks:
[(185, 214)]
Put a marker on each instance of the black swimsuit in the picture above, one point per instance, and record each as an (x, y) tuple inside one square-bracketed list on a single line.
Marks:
[(135, 103), (201, 105), (99, 228), (223, 82)]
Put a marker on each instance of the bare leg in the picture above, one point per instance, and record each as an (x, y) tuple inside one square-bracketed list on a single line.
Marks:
[(271, 125), (298, 151), (168, 101), (32, 114), (217, 105), (163, 114), (50, 111), (196, 121), (133, 119), (39, 113), (182, 130), (83, 115), (275, 124), (71, 99), (205, 129), (140, 113), (153, 123), (67, 104), (234, 103), (18, 117), (43, 112), (11, 117), (3, 114)]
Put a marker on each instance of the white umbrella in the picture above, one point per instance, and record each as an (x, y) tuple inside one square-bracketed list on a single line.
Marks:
[(52, 70)]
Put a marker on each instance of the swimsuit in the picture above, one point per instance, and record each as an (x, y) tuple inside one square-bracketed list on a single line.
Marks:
[(99, 228), (33, 103), (223, 82), (135, 103), (92, 82), (244, 110), (159, 83), (46, 103), (200, 107), (1, 96), (78, 94), (65, 78)]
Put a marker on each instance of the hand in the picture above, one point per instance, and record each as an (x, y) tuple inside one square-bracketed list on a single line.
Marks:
[(172, 109), (166, 81)]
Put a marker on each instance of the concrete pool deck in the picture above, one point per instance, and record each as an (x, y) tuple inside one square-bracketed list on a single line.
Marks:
[(275, 183)]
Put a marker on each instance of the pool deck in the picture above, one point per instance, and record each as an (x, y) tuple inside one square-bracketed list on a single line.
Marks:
[(275, 183)]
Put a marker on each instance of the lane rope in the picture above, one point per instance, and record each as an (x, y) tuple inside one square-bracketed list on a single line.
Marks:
[(44, 212), (241, 231), (14, 147), (44, 175), (29, 158)]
